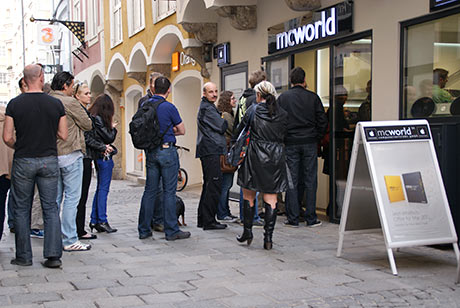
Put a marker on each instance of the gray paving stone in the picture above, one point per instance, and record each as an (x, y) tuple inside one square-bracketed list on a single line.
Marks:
[(70, 304), (86, 294), (49, 287), (120, 301), (214, 293), (88, 284), (164, 298), (12, 290), (29, 298), (169, 287), (21, 281), (130, 290), (247, 301)]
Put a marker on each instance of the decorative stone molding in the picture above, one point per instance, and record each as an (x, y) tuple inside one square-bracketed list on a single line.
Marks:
[(204, 32), (164, 69), (138, 76), (241, 17), (197, 53), (114, 86), (303, 5)]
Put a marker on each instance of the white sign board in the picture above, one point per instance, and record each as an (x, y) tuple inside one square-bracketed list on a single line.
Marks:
[(47, 35), (394, 183)]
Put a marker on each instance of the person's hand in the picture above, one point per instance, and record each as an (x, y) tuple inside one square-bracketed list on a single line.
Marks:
[(114, 124), (108, 149)]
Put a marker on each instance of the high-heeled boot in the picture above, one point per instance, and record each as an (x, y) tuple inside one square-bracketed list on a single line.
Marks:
[(248, 218), (270, 221), (105, 227)]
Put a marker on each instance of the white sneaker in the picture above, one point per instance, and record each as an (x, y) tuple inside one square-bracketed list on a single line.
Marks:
[(77, 246)]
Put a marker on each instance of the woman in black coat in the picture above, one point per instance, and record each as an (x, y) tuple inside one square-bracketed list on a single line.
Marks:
[(264, 167), (99, 147)]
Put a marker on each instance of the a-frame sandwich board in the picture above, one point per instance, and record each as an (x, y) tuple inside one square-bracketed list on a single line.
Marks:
[(394, 183)]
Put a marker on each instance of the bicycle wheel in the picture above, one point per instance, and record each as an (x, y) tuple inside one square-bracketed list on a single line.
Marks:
[(182, 179)]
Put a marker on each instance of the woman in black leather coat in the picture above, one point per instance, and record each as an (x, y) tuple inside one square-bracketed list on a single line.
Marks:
[(264, 168), (100, 148)]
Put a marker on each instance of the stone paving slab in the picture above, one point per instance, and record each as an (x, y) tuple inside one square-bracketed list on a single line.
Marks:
[(211, 269)]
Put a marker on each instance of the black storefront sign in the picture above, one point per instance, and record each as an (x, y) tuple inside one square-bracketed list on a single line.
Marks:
[(318, 26), (441, 4), (401, 132)]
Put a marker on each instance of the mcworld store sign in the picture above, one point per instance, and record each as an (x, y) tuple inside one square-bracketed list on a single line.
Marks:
[(317, 26)]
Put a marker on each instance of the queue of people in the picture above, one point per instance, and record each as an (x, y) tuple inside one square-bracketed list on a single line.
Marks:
[(57, 143)]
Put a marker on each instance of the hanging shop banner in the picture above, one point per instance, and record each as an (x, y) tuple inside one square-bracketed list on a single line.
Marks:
[(394, 183), (48, 35), (318, 26)]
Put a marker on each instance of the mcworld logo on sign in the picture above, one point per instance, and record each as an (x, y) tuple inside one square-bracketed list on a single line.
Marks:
[(390, 133), (307, 33), (318, 26)]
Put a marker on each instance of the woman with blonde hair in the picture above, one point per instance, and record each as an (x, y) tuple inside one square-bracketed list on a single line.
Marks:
[(264, 168), (83, 95)]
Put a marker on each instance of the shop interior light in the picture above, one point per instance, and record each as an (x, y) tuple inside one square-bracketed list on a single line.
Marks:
[(447, 44)]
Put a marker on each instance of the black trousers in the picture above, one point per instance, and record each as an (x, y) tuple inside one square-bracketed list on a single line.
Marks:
[(81, 209), (212, 188), (4, 187)]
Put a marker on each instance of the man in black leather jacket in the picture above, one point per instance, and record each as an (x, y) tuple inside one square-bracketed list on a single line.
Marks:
[(210, 144), (307, 125)]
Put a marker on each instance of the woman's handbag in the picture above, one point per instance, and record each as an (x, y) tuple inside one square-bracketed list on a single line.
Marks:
[(226, 167), (238, 150)]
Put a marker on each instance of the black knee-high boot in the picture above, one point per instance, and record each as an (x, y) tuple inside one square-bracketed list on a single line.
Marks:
[(248, 217), (270, 221)]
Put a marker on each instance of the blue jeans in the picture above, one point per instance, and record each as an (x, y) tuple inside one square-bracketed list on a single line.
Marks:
[(69, 184), (222, 208), (158, 210), (26, 172), (305, 155), (256, 210), (164, 163), (104, 170)]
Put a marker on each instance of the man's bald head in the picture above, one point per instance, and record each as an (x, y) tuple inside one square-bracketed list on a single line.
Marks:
[(32, 73), (210, 91)]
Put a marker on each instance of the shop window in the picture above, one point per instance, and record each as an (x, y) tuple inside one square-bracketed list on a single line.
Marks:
[(163, 9), (430, 84), (278, 74), (136, 20), (116, 30)]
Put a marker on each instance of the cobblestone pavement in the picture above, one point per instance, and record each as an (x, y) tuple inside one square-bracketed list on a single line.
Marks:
[(212, 270)]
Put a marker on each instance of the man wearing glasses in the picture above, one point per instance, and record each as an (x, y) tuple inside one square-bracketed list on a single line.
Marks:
[(38, 119)]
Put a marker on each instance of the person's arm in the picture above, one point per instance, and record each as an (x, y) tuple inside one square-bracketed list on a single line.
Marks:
[(79, 115), (8, 132), (179, 129), (214, 121), (62, 131)]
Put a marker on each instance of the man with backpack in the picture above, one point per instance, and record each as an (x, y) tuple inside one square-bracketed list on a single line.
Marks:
[(164, 123), (157, 221)]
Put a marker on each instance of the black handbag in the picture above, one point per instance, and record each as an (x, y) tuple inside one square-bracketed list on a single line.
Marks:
[(238, 150)]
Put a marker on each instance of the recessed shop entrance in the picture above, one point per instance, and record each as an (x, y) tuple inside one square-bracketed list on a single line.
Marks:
[(340, 73)]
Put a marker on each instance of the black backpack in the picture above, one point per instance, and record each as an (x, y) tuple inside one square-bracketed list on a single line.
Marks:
[(144, 127)]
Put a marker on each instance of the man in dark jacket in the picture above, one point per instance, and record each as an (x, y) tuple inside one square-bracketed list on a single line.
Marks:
[(307, 125), (210, 144)]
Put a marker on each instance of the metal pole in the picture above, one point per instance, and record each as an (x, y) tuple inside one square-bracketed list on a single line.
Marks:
[(23, 36)]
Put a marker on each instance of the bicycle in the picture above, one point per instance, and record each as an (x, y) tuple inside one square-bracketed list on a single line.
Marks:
[(182, 176)]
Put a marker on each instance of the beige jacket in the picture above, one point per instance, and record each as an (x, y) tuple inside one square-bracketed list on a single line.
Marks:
[(78, 122), (6, 153)]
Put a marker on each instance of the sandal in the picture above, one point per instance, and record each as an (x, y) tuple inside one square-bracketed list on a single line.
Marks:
[(77, 246)]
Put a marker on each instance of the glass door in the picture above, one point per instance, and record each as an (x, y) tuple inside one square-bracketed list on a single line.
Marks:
[(350, 103)]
